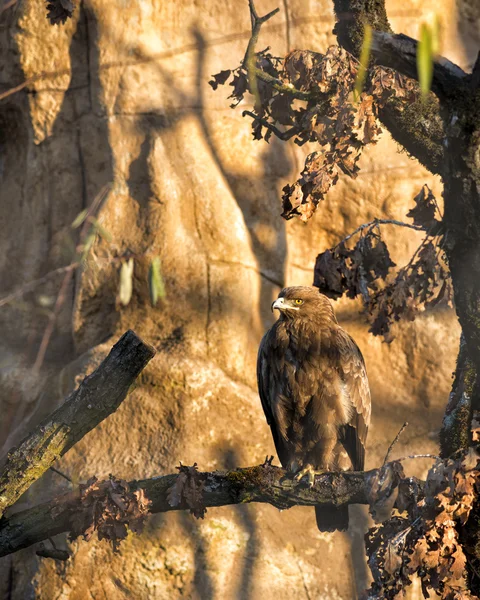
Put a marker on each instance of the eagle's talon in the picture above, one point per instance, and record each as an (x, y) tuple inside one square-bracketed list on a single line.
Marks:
[(310, 472)]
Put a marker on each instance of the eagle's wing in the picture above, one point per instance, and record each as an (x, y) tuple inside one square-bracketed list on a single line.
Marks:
[(267, 389), (263, 377), (354, 377)]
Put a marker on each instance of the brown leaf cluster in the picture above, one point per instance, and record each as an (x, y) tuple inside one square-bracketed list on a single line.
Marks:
[(188, 489), (366, 270), (354, 271), (58, 11), (422, 538), (383, 488), (110, 507), (425, 209), (332, 115), (335, 119)]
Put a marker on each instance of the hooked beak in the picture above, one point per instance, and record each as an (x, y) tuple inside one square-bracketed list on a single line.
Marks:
[(282, 305), (279, 304)]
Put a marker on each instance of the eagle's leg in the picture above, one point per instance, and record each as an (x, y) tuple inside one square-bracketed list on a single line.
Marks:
[(309, 471), (319, 459)]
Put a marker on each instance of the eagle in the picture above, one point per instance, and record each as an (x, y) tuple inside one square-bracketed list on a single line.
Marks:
[(314, 390)]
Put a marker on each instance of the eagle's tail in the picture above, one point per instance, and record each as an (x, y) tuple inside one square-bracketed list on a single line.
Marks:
[(332, 518)]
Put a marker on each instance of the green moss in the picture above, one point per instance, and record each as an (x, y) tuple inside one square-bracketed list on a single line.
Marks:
[(455, 433), (417, 123), (350, 30), (243, 480)]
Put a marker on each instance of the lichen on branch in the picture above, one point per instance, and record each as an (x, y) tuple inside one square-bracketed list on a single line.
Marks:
[(99, 395)]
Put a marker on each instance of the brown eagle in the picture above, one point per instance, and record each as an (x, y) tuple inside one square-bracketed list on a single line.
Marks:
[(314, 391)]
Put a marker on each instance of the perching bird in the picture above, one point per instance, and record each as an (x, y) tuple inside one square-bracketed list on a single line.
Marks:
[(314, 391)]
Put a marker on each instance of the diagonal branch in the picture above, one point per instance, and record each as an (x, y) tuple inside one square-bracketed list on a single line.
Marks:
[(264, 483), (399, 52), (99, 395), (417, 126)]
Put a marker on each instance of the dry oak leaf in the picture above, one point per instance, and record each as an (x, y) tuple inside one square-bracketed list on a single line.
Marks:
[(188, 488)]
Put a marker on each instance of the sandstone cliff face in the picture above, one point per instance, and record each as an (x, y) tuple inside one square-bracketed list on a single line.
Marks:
[(124, 99)]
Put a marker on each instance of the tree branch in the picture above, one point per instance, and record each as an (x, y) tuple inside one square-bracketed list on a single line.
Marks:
[(455, 433), (264, 483), (376, 222), (417, 126), (99, 395), (399, 52), (249, 61)]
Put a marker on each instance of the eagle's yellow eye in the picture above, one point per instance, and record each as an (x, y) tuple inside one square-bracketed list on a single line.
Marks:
[(298, 301)]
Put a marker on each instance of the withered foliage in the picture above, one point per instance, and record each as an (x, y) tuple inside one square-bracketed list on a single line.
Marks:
[(365, 269), (109, 507), (421, 537), (188, 489), (58, 11), (329, 114)]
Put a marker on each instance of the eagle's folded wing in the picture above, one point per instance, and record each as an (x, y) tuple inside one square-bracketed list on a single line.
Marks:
[(354, 376), (263, 379)]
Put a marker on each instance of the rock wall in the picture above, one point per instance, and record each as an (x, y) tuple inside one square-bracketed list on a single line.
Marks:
[(123, 99)]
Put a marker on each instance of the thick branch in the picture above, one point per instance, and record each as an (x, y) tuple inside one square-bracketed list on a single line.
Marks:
[(455, 433), (417, 127), (99, 395), (265, 483), (399, 52)]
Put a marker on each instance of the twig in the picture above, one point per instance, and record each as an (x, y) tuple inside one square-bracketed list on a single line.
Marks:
[(412, 456), (249, 60), (28, 287), (376, 223), (20, 87), (62, 294), (390, 448), (61, 474), (282, 135), (7, 5), (99, 395), (47, 334), (54, 553)]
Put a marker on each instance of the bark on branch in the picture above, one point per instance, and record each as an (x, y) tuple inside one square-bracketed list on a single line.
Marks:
[(418, 127), (399, 52), (264, 483), (99, 395)]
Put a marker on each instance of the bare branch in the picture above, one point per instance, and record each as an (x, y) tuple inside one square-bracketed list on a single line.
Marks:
[(264, 483), (249, 61), (7, 5), (392, 445), (80, 250), (282, 135), (31, 285), (379, 222), (99, 395)]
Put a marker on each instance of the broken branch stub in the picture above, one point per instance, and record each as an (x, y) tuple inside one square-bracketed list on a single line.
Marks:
[(99, 395)]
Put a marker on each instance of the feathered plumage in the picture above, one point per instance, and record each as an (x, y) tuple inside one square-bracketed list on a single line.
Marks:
[(314, 391)]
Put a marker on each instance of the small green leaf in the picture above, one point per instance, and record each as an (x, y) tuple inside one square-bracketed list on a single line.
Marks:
[(126, 282), (102, 232), (80, 218), (425, 59), (155, 280), (88, 243), (364, 60)]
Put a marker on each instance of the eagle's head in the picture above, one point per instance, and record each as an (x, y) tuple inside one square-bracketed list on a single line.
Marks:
[(303, 303)]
